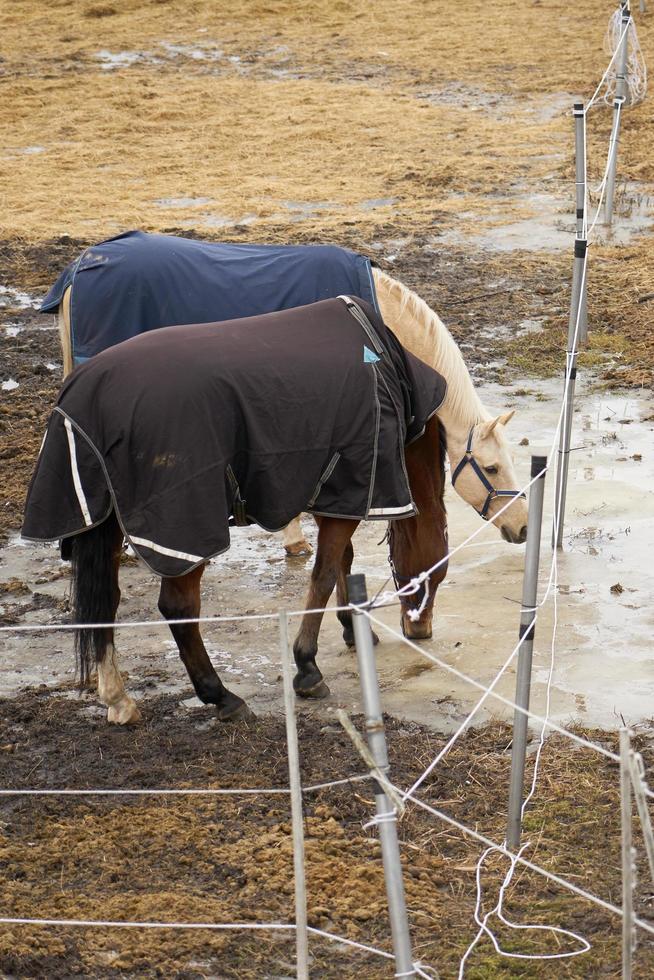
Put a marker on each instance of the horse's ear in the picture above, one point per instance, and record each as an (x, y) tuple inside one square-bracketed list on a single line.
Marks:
[(487, 427)]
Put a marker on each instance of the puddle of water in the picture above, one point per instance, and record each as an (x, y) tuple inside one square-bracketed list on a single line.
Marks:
[(9, 385), (182, 202), (16, 299), (218, 221), (552, 225), (603, 663), (110, 60), (531, 326), (300, 210), (377, 202), (198, 52), (553, 105), (470, 97)]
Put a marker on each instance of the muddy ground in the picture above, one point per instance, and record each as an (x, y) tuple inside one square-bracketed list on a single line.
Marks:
[(442, 148), (207, 860)]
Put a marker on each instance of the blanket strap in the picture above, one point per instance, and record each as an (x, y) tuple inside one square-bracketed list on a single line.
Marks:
[(239, 515)]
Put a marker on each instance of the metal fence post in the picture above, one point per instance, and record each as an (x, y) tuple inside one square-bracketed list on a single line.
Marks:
[(627, 856), (579, 116), (301, 934), (637, 784), (618, 102), (357, 593), (526, 633), (577, 323)]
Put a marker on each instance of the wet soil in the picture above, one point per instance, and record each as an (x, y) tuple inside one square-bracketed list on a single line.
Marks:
[(210, 859)]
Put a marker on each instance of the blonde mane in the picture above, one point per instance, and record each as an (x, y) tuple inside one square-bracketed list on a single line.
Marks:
[(422, 332)]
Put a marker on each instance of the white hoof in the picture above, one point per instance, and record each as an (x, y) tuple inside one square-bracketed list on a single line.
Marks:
[(298, 548), (125, 712)]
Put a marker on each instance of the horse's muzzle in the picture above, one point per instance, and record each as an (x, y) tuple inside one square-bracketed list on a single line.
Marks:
[(417, 629), (514, 537)]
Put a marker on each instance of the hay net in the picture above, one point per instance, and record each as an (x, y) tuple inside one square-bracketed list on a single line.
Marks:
[(636, 74)]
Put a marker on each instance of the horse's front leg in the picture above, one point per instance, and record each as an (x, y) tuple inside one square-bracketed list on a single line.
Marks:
[(334, 536), (179, 598), (294, 540), (342, 599)]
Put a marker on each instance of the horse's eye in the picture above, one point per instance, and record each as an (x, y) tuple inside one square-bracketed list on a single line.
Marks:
[(491, 469)]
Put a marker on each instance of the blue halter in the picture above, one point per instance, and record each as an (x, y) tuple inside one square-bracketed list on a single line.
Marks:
[(492, 492)]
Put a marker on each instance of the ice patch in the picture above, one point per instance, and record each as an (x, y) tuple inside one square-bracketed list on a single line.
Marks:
[(14, 298), (9, 385)]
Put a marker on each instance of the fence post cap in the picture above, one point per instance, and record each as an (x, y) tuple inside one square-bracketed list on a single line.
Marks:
[(357, 592), (539, 461)]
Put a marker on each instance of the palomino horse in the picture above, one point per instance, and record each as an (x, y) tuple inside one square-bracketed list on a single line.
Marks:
[(480, 460), (208, 424)]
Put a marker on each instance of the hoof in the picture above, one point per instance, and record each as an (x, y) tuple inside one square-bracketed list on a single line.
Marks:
[(236, 710), (318, 690), (348, 636), (298, 548), (124, 713)]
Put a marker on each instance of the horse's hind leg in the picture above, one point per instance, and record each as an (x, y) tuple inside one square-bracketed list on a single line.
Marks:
[(95, 556), (121, 708), (63, 320), (334, 535), (180, 599), (295, 542), (345, 617)]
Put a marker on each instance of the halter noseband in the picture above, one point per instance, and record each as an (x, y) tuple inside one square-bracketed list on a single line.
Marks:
[(492, 492)]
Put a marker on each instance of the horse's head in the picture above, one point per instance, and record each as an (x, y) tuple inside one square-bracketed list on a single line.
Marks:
[(483, 474), (420, 543)]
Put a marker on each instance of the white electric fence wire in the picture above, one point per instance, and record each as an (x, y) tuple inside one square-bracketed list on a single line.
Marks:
[(466, 721), (601, 187), (577, 739), (118, 924), (363, 777), (551, 586), (552, 583), (605, 76), (636, 74), (214, 926), (549, 875), (423, 577), (497, 910)]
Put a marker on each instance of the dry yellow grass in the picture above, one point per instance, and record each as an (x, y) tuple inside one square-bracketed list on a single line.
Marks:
[(331, 104), (304, 118)]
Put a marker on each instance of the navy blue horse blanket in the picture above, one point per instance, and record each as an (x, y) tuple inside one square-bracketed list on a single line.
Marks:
[(138, 282), (306, 409)]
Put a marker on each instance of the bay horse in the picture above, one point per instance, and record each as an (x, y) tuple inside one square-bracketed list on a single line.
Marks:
[(480, 460), (415, 544), (157, 440)]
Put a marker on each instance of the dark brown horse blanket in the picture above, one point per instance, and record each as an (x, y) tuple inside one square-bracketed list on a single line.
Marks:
[(137, 282), (261, 418)]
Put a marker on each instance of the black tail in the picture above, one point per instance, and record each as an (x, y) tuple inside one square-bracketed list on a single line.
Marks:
[(94, 591)]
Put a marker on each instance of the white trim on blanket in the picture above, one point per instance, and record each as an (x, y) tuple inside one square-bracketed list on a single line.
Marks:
[(385, 511), (81, 499), (164, 551)]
